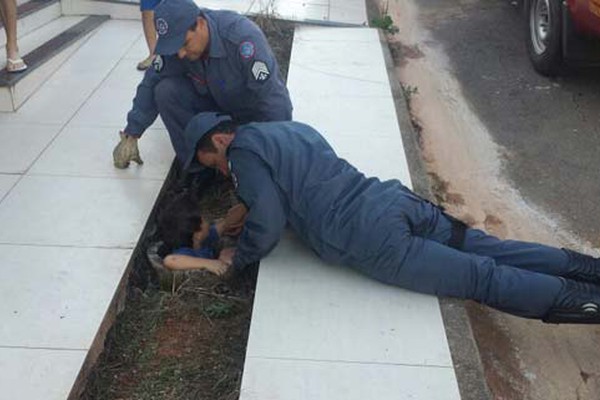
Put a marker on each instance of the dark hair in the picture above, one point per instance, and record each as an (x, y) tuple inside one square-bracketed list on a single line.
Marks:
[(179, 220), (206, 144), (195, 24)]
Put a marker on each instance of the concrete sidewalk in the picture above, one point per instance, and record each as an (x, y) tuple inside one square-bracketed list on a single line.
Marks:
[(70, 221), (321, 332)]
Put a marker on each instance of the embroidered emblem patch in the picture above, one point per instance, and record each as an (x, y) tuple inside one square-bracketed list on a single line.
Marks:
[(158, 63), (162, 28), (247, 50), (260, 71)]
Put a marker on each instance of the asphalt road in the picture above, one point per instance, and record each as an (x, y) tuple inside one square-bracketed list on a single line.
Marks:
[(470, 81), (549, 128)]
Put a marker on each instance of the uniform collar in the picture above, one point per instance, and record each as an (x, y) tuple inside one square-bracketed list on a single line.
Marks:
[(216, 49)]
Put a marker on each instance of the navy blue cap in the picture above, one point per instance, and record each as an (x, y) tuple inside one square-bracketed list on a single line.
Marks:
[(199, 126), (173, 18)]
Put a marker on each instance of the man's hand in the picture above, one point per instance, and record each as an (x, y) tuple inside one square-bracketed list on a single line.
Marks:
[(126, 151), (218, 268), (226, 255)]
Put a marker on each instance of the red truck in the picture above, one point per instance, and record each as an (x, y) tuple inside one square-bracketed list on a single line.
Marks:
[(562, 30)]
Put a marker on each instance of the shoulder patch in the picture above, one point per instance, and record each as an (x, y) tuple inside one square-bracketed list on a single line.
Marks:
[(158, 64), (260, 71), (247, 50), (162, 27)]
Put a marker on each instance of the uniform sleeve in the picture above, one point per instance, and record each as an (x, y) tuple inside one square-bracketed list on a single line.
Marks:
[(144, 110), (266, 216), (263, 79)]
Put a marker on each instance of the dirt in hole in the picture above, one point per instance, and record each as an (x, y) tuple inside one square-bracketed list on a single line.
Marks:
[(183, 336)]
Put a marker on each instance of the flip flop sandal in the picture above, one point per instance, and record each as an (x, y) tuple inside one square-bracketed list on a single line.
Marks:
[(145, 63), (17, 65)]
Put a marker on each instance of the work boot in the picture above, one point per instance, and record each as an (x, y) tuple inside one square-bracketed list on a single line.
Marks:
[(576, 303), (582, 267)]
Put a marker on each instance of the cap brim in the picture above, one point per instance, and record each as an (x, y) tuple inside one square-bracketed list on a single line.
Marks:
[(170, 46), (191, 161)]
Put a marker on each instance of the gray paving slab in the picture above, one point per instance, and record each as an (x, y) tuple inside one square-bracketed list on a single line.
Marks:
[(324, 332)]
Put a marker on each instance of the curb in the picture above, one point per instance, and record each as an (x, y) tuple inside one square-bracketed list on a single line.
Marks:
[(463, 348)]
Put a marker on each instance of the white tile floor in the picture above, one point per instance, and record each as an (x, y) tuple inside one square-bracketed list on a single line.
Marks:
[(59, 299), (69, 222), (68, 219), (34, 374), (323, 332), (344, 309), (315, 380), (22, 144), (6, 183)]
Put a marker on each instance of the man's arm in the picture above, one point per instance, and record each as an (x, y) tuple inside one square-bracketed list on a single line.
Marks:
[(144, 111), (266, 217)]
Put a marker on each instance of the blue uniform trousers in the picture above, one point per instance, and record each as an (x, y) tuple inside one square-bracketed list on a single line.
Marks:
[(517, 277), (177, 102)]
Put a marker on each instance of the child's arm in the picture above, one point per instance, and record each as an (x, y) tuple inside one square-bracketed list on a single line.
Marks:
[(180, 262)]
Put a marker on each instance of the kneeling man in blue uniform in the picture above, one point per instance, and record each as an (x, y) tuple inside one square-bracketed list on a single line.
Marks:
[(287, 174), (206, 61)]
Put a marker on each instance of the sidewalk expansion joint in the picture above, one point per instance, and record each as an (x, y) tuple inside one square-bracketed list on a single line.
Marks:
[(42, 348), (353, 362)]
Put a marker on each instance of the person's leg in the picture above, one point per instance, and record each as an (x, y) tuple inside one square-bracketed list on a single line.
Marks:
[(526, 255), (430, 267), (149, 30), (426, 266), (531, 256), (147, 9), (417, 258), (9, 19), (177, 102), (150, 35)]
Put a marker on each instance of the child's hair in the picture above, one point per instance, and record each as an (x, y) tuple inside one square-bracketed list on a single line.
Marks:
[(178, 221)]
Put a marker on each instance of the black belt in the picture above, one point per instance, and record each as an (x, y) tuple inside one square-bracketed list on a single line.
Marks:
[(457, 236)]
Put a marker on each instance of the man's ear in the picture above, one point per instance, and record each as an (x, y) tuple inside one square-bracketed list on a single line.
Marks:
[(219, 140), (200, 22)]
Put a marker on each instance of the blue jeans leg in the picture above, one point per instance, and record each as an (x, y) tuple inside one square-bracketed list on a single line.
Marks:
[(481, 271), (531, 256), (434, 268)]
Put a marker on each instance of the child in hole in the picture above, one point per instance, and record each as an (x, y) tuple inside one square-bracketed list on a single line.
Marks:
[(194, 242)]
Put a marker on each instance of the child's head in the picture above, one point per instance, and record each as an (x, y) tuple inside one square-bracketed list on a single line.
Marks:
[(180, 221)]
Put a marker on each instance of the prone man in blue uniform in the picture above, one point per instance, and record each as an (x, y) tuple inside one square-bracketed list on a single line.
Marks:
[(286, 173), (206, 61)]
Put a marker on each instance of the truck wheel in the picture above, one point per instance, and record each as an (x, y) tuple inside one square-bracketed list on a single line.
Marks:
[(544, 35)]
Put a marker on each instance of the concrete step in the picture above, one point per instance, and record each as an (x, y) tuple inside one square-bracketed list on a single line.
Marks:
[(43, 56), (32, 15)]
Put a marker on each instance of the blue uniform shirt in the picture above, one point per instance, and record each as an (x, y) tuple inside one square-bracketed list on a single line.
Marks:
[(286, 172), (240, 74)]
